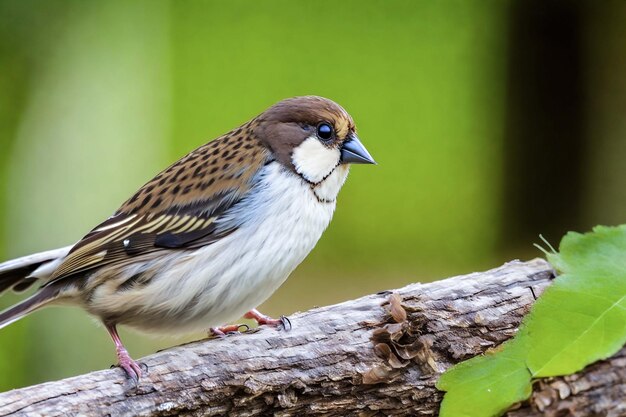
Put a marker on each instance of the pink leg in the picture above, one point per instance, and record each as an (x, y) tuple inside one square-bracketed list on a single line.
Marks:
[(262, 319), (224, 330), (132, 369)]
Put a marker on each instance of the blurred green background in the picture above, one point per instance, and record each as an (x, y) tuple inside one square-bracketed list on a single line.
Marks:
[(492, 121)]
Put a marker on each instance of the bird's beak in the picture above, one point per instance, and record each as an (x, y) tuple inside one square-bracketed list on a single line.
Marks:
[(353, 152)]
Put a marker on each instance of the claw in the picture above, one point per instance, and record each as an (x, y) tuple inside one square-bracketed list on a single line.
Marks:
[(285, 322), (262, 319), (245, 326), (226, 330)]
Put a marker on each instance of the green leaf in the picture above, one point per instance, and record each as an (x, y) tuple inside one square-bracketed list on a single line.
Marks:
[(579, 319), (486, 385)]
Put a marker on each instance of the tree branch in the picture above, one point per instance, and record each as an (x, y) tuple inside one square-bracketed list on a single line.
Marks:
[(377, 355)]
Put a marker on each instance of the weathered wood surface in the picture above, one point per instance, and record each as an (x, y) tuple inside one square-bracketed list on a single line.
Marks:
[(336, 361)]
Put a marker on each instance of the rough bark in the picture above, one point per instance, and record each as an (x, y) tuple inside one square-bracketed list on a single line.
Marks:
[(336, 361)]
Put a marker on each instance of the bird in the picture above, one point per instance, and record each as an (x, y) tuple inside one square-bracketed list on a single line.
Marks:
[(208, 239)]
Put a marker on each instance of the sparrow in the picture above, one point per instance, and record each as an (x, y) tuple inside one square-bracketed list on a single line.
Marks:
[(209, 238)]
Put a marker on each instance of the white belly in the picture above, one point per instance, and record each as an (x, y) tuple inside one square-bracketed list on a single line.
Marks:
[(217, 284)]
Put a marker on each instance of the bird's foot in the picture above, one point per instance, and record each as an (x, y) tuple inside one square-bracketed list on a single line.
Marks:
[(262, 319), (228, 329), (132, 368)]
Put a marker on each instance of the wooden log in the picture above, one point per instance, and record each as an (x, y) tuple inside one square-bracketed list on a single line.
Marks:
[(377, 355)]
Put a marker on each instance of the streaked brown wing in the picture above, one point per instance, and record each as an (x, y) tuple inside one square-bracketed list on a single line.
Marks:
[(178, 209), (127, 236)]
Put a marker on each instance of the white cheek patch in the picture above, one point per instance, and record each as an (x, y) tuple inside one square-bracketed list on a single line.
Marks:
[(313, 160)]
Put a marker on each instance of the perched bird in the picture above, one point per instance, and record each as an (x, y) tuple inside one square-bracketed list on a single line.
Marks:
[(209, 238)]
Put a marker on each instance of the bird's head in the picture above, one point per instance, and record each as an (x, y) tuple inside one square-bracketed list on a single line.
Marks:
[(312, 136)]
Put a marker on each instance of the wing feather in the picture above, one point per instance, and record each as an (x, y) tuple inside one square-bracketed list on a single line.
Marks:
[(138, 229)]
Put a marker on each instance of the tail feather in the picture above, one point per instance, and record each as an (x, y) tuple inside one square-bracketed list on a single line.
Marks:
[(37, 300), (19, 274)]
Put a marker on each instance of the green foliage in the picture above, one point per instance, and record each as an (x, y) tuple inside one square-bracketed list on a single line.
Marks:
[(579, 319), (97, 97), (486, 385), (423, 82)]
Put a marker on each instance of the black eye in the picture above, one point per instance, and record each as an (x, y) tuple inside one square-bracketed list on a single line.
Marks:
[(324, 131)]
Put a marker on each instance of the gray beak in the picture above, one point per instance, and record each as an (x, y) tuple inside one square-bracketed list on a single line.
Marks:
[(353, 152)]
